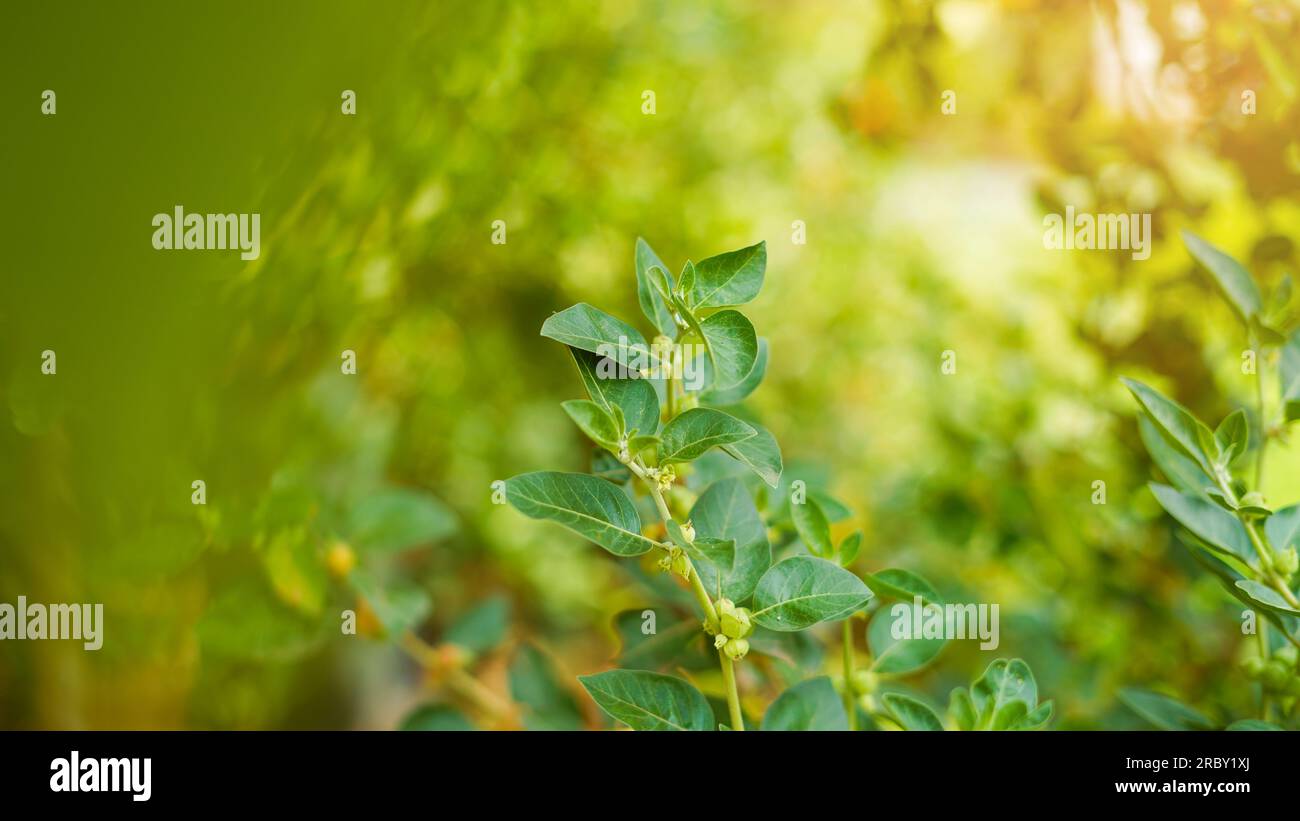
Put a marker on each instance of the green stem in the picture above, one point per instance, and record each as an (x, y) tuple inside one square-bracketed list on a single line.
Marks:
[(706, 604), (733, 695), (1263, 427), (849, 705)]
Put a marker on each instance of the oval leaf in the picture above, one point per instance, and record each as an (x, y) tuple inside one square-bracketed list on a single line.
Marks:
[(692, 433), (814, 530), (585, 504), (760, 453), (732, 347), (801, 591), (733, 278), (649, 701), (809, 705), (726, 511), (910, 713), (1162, 711)]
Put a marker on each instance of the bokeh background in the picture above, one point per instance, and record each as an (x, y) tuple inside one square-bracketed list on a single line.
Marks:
[(924, 234)]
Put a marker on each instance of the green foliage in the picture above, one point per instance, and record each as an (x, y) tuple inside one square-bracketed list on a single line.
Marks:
[(801, 591), (585, 505), (1233, 531), (1004, 698), (809, 705), (723, 548), (649, 701)]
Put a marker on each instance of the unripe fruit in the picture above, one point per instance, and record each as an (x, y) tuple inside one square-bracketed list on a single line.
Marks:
[(736, 649), (1276, 676), (734, 620), (864, 681), (1253, 667)]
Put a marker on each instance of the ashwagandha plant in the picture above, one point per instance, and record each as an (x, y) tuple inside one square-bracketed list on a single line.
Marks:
[(1214, 490), (653, 414)]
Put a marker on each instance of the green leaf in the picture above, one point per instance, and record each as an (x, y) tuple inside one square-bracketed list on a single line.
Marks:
[(809, 705), (760, 453), (1005, 695), (635, 396), (899, 656), (910, 713), (802, 590), (244, 622), (1249, 724), (1185, 430), (1233, 435), (686, 286), (1289, 374), (1036, 719), (725, 510), (695, 431), (1283, 528), (482, 627), (586, 328), (962, 709), (1266, 597), (398, 519), (1234, 282), (732, 347), (672, 640), (849, 549), (652, 302), (1183, 471), (399, 606), (595, 421), (435, 718), (742, 389), (721, 553), (1162, 711), (1209, 522), (649, 701), (534, 685), (733, 278), (903, 585), (294, 569), (835, 510), (585, 504), (813, 529)]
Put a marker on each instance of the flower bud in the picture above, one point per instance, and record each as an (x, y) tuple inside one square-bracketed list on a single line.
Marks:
[(340, 560), (1253, 667), (1276, 676), (688, 532), (719, 640), (736, 649), (864, 681), (1288, 562), (681, 565)]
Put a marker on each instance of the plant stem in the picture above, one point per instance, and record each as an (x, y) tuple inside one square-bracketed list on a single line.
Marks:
[(706, 604), (733, 695), (458, 682), (849, 706), (1263, 424)]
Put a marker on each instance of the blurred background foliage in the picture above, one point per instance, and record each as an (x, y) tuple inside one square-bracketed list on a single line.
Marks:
[(924, 234)]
